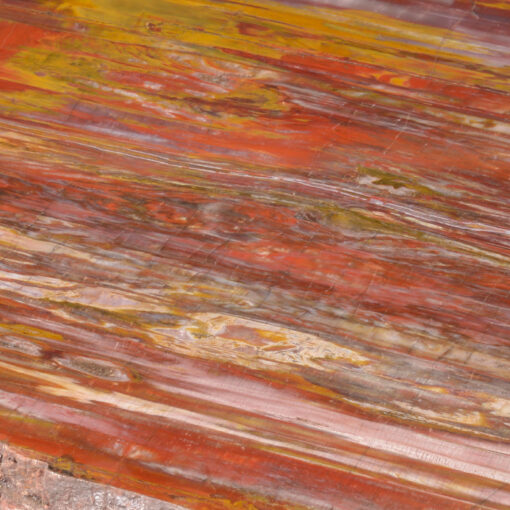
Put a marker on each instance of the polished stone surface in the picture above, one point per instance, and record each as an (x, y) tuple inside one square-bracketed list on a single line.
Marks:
[(256, 255)]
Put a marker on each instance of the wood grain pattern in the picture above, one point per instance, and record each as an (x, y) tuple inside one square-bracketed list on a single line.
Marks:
[(255, 254)]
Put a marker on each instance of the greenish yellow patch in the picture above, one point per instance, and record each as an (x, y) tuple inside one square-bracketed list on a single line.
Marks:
[(23, 329)]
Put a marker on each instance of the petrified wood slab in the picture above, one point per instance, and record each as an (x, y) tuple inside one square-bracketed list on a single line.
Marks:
[(255, 255)]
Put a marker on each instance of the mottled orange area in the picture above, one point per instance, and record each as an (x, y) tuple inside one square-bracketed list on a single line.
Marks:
[(255, 255)]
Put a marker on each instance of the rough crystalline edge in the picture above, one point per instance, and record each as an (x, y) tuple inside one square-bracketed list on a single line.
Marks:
[(28, 484)]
